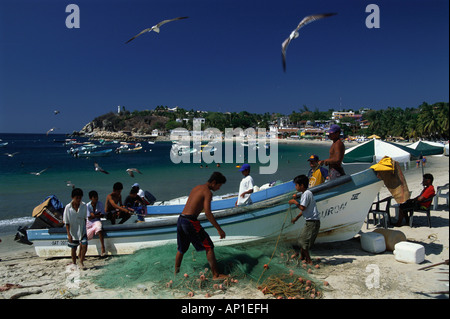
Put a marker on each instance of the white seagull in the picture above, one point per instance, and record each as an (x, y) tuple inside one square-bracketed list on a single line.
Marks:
[(99, 169), (131, 170), (11, 154), (51, 130), (294, 34), (70, 184), (39, 173), (155, 27)]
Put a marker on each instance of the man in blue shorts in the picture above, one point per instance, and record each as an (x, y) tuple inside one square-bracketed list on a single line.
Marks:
[(189, 229)]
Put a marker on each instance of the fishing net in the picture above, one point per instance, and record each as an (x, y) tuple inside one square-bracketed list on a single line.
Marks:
[(279, 273)]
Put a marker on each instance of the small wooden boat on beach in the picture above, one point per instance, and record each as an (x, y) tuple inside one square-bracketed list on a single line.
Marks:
[(343, 205)]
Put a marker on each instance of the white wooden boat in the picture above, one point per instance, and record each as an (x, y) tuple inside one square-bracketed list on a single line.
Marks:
[(343, 205), (128, 148)]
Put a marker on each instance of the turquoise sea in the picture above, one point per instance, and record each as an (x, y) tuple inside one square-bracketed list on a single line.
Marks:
[(20, 191)]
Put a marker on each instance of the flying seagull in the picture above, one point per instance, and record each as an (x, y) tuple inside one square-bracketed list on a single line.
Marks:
[(294, 34), (11, 154), (51, 130), (131, 170), (70, 184), (39, 173), (155, 27), (99, 169), (56, 112)]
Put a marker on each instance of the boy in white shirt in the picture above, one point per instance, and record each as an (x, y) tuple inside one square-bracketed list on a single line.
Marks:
[(308, 209), (75, 219), (245, 187)]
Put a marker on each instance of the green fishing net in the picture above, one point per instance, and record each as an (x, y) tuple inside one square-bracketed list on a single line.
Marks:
[(274, 271)]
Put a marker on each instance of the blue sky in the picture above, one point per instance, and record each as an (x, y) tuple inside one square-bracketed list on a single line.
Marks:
[(225, 57)]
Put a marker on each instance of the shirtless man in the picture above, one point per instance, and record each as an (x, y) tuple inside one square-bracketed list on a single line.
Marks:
[(337, 151), (113, 206), (189, 229)]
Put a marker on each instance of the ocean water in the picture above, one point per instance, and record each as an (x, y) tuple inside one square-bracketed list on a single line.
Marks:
[(20, 191)]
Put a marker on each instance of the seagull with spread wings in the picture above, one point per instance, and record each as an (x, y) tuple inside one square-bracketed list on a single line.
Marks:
[(294, 34), (39, 173), (11, 154), (131, 170), (51, 130), (155, 27), (99, 169)]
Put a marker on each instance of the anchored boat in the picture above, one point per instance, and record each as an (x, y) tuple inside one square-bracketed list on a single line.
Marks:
[(343, 205)]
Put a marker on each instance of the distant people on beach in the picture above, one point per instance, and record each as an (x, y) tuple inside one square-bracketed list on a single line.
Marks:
[(308, 209), (422, 159), (317, 174), (337, 150), (95, 211), (74, 218), (423, 201), (114, 207), (189, 229), (245, 187)]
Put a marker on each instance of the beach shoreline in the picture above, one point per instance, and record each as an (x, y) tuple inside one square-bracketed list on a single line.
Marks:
[(344, 265)]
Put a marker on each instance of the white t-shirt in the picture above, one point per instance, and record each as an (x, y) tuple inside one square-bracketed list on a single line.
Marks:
[(76, 220), (246, 184), (307, 200)]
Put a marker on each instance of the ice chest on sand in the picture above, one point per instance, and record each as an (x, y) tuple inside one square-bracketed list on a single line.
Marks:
[(373, 242), (409, 252)]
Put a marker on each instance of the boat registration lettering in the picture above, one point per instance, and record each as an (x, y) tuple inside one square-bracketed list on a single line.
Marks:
[(333, 210), (59, 242)]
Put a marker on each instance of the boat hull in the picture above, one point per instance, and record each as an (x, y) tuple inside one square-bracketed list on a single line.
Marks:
[(343, 205)]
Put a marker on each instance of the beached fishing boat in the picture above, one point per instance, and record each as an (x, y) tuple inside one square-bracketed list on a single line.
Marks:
[(342, 203)]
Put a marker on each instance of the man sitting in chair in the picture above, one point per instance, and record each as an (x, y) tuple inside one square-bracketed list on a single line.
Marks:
[(423, 201)]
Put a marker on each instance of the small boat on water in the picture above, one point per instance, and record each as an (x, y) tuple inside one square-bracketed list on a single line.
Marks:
[(89, 153), (129, 148), (89, 150), (343, 205)]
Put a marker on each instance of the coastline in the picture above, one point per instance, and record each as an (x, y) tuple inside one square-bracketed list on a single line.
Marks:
[(343, 264)]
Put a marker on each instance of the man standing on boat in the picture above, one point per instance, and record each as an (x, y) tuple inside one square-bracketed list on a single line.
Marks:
[(245, 187), (189, 229), (337, 151)]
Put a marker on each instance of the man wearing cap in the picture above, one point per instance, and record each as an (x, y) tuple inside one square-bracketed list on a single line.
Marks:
[(140, 192), (317, 174), (337, 151), (246, 187)]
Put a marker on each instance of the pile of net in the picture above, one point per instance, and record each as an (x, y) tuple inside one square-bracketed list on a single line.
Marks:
[(280, 274)]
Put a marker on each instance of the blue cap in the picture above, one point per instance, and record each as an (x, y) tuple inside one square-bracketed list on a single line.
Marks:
[(334, 128), (244, 167)]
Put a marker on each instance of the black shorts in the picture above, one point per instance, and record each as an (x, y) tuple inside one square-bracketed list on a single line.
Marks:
[(190, 231)]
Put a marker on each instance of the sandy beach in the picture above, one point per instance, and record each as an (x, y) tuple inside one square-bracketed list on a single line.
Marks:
[(344, 265)]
